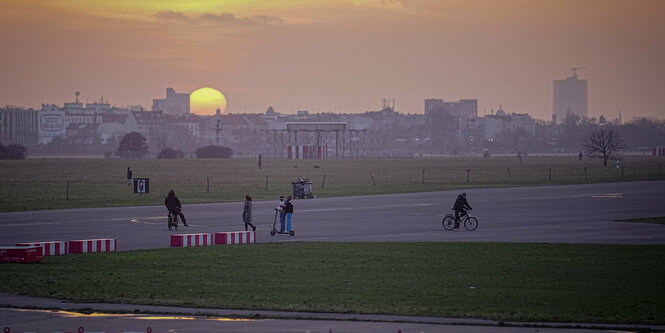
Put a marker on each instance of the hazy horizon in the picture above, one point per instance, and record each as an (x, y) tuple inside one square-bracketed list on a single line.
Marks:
[(336, 56)]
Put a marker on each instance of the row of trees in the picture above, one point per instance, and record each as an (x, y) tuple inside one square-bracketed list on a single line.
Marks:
[(134, 145), (601, 143)]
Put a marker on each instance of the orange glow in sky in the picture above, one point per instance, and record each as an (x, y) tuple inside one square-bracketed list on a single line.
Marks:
[(342, 55)]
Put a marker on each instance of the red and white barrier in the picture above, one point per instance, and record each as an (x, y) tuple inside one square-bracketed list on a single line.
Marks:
[(20, 253), (92, 245), (307, 152), (187, 240), (52, 248), (235, 237)]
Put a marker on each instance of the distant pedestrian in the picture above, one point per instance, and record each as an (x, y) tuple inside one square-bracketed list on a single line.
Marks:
[(172, 203), (282, 213), (247, 213), (129, 176), (288, 208), (580, 156)]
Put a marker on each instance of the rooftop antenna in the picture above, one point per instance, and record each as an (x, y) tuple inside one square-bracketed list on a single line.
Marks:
[(76, 93), (574, 69)]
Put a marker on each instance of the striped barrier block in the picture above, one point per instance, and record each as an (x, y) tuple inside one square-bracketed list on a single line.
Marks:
[(20, 253), (92, 245), (187, 240), (235, 237), (51, 248)]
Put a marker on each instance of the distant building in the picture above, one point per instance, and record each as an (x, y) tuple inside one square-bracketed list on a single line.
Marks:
[(501, 122), (18, 125), (75, 113), (149, 124), (52, 123), (465, 108), (174, 103), (447, 123), (570, 96)]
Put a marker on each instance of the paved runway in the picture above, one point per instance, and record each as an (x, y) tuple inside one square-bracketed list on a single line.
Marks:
[(560, 214)]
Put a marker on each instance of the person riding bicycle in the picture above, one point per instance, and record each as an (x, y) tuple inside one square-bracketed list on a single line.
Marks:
[(460, 207), (172, 203)]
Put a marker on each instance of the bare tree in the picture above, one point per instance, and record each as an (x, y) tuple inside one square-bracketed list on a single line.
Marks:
[(603, 144)]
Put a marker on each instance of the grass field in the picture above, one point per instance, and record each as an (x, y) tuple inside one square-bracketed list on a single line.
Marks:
[(517, 282), (34, 184)]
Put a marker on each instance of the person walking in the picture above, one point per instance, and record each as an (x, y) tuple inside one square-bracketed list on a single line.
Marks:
[(282, 213), (129, 176), (172, 203), (288, 208), (247, 213)]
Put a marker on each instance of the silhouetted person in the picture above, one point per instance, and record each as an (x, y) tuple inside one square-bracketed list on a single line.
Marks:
[(288, 208), (129, 176), (247, 213), (460, 207), (172, 203), (282, 213)]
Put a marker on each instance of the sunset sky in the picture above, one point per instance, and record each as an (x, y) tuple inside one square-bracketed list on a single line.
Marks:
[(336, 55)]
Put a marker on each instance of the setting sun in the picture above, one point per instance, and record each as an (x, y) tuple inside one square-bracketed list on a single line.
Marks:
[(205, 101)]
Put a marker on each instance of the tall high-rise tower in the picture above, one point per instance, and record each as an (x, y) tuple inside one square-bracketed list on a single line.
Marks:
[(570, 96)]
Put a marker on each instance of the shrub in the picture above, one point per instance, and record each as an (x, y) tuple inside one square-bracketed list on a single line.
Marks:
[(13, 152), (170, 153), (214, 152)]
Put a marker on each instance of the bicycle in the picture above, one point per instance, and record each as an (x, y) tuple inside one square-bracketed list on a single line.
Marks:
[(470, 222)]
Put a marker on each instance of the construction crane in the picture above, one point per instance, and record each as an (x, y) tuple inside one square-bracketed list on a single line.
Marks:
[(574, 69)]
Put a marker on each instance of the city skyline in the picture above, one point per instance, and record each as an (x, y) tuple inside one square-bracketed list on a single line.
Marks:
[(336, 56)]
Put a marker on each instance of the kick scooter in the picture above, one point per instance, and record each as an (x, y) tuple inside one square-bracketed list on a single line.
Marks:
[(275, 231)]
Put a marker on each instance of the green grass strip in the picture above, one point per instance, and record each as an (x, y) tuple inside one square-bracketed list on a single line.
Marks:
[(501, 281), (656, 220), (34, 184)]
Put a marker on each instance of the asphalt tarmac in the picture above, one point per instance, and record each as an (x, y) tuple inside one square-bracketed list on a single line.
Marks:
[(551, 214)]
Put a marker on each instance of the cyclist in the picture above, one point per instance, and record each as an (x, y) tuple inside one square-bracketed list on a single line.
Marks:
[(460, 207), (172, 203)]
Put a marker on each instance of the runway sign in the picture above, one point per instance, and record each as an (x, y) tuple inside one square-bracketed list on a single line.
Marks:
[(141, 185)]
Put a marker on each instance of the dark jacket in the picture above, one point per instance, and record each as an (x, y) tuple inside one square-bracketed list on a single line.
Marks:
[(461, 203), (172, 203), (247, 211), (129, 173), (289, 207)]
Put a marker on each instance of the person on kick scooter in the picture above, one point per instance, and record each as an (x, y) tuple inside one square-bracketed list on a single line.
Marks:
[(460, 207), (172, 203), (288, 208), (247, 213), (282, 213)]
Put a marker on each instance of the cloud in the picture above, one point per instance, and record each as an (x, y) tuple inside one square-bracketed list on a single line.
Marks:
[(171, 15), (395, 5), (222, 19)]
